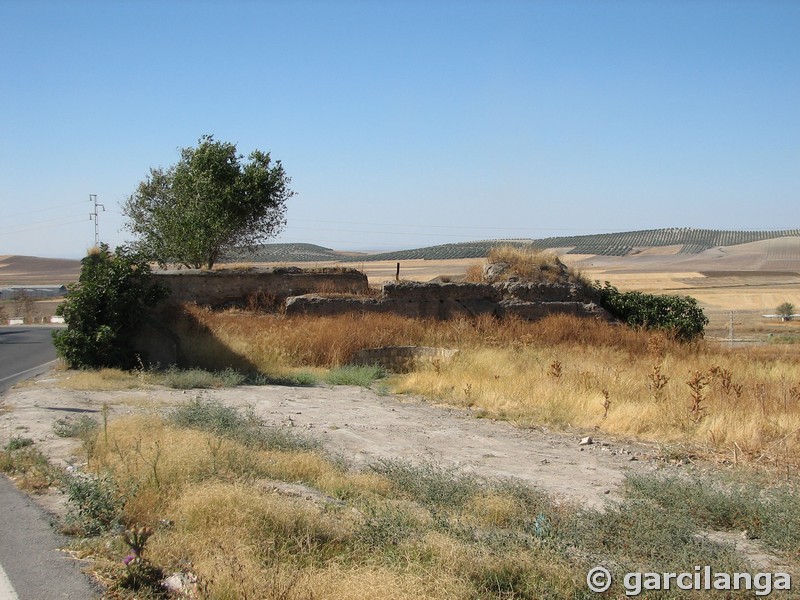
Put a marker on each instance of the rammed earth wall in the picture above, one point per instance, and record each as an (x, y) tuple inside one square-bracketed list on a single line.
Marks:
[(236, 287), (453, 300)]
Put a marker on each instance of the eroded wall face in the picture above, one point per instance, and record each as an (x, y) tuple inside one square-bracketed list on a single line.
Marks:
[(238, 288), (456, 300)]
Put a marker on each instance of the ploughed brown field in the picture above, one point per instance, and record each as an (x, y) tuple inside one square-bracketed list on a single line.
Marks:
[(739, 283)]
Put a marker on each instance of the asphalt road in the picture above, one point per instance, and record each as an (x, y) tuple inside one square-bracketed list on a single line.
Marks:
[(31, 565), (25, 352)]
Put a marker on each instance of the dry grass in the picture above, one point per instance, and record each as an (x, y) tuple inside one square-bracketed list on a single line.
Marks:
[(562, 371), (526, 264), (273, 343), (747, 402), (399, 532), (362, 536), (105, 380), (229, 513)]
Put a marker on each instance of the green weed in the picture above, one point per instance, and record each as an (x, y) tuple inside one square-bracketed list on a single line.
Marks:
[(244, 427), (17, 442), (362, 376), (95, 504), (185, 379), (81, 428), (427, 483)]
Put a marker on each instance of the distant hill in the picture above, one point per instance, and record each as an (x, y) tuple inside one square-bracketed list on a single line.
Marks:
[(32, 270), (289, 253), (695, 249), (687, 240)]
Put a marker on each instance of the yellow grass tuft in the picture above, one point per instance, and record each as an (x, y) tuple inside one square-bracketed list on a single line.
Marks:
[(104, 380), (529, 264)]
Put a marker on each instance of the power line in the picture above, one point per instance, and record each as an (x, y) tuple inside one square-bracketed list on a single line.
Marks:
[(41, 226), (39, 210), (482, 227)]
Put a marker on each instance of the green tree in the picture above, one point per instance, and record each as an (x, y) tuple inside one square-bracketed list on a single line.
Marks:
[(786, 310), (209, 203), (104, 309)]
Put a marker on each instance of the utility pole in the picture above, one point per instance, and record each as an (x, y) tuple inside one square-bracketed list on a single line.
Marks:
[(730, 327), (94, 215)]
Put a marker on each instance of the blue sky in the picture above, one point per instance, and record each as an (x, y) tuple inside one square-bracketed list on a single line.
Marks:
[(404, 124)]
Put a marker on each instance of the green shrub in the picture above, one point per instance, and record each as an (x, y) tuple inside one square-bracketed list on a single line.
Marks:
[(95, 503), (20, 457), (17, 443), (428, 484), (679, 315), (299, 378), (772, 514), (104, 309), (82, 427), (187, 379)]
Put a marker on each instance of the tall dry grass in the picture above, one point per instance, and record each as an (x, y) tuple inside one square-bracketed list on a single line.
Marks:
[(742, 404), (273, 342), (527, 264)]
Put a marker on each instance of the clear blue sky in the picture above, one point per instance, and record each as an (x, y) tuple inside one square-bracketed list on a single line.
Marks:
[(404, 124)]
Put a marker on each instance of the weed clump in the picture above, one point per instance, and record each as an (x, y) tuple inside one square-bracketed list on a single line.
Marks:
[(81, 427), (95, 503), (363, 376), (244, 427), (185, 379)]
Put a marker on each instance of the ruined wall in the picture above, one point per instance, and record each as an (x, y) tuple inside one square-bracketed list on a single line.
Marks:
[(235, 287), (157, 338), (453, 300), (403, 359)]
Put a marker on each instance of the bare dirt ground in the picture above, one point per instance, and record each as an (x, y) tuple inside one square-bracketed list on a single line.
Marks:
[(361, 426)]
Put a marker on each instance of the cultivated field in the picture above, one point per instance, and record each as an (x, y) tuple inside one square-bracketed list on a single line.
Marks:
[(32, 270)]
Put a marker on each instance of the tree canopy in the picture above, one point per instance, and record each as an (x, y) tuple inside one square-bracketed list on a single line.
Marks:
[(207, 204), (786, 311)]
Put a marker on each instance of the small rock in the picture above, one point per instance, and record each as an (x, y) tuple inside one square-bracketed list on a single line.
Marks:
[(606, 491), (586, 441), (180, 583), (632, 459)]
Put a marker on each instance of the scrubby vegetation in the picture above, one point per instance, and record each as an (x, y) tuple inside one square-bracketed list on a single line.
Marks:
[(246, 510), (524, 263), (202, 492)]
